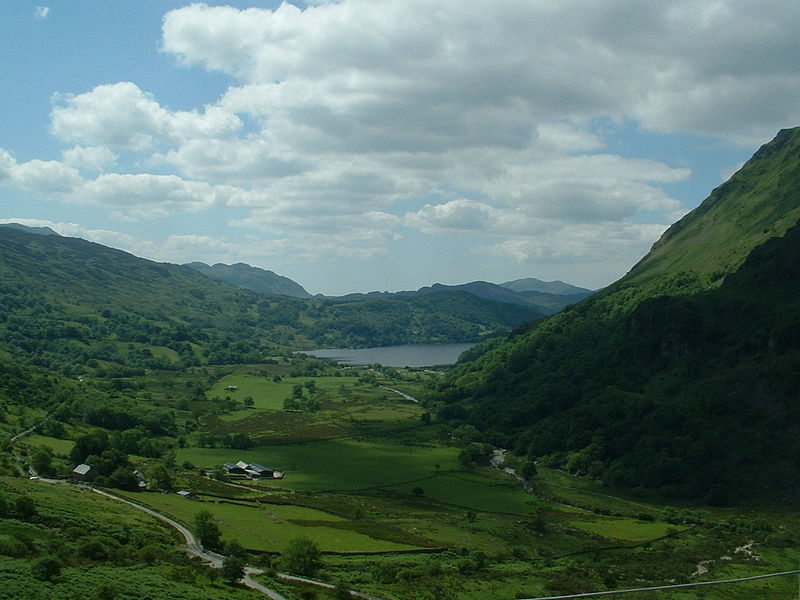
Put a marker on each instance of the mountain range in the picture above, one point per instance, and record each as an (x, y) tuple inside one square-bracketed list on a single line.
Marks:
[(71, 305), (548, 297), (679, 379), (682, 376)]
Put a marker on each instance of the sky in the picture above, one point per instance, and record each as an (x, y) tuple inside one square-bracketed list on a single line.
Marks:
[(360, 145)]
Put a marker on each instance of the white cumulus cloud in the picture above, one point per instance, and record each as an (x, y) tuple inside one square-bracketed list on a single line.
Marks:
[(121, 115), (349, 122), (93, 158)]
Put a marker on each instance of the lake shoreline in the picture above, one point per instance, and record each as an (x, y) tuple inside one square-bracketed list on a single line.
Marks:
[(407, 355)]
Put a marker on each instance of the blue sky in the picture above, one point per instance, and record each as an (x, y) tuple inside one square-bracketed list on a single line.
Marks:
[(360, 145)]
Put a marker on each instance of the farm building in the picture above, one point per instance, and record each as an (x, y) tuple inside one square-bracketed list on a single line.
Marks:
[(252, 470), (83, 472), (234, 469), (258, 471)]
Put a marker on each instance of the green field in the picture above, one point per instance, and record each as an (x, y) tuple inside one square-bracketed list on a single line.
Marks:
[(56, 445), (365, 473), (345, 407), (269, 527), (476, 492), (266, 394), (344, 464), (619, 528)]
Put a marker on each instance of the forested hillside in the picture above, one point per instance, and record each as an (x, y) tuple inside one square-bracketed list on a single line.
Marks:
[(682, 377), (76, 307), (546, 303)]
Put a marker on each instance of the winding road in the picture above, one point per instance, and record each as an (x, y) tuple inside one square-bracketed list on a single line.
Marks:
[(195, 548), (403, 394)]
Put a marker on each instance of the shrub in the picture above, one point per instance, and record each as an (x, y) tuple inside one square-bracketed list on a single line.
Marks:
[(46, 568)]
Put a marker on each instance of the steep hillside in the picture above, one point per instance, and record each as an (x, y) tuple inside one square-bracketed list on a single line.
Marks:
[(681, 376), (760, 201), (251, 278)]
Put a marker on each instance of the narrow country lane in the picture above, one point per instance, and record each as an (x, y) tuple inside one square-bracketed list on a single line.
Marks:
[(194, 547), (403, 394)]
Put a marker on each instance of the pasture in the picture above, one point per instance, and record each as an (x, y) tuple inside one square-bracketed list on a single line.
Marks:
[(269, 527), (343, 464), (625, 529), (474, 491)]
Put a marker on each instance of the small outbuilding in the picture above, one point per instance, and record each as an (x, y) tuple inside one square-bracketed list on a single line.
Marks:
[(84, 472)]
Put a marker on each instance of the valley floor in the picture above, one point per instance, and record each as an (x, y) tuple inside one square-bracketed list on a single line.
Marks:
[(387, 497)]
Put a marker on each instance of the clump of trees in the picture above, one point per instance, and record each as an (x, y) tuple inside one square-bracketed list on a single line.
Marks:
[(108, 456), (301, 557), (304, 397), (207, 531)]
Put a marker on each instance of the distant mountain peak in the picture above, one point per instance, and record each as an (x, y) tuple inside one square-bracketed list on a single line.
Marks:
[(251, 278), (26, 228), (531, 284)]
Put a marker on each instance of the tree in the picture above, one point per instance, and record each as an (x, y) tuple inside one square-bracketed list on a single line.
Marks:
[(233, 568), (159, 477), (93, 548), (25, 507), (123, 478), (207, 530), (301, 557), (529, 471), (42, 461), (341, 591), (46, 568), (234, 548), (248, 401), (94, 442), (475, 454)]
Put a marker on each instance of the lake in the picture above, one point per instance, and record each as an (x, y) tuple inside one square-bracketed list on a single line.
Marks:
[(410, 355)]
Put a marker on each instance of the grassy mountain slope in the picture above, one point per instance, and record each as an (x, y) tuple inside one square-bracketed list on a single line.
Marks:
[(252, 278), (674, 377), (72, 306), (762, 200)]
